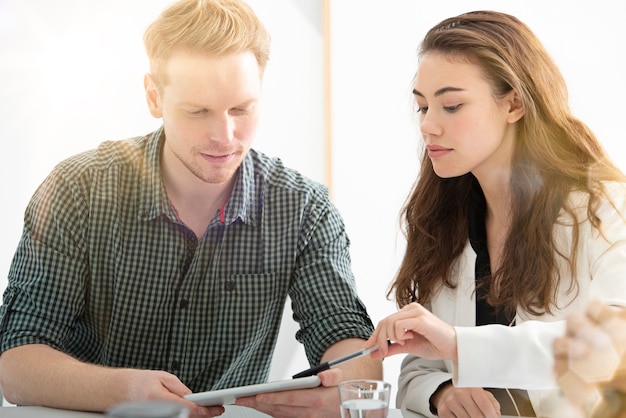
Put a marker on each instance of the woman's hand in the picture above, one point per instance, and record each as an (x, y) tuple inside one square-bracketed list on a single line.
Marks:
[(416, 330), (452, 402)]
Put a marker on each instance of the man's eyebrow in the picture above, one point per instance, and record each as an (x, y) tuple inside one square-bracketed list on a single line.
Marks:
[(201, 106), (439, 92), (192, 104)]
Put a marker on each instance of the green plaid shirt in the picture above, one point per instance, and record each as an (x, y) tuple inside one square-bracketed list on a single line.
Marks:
[(105, 272)]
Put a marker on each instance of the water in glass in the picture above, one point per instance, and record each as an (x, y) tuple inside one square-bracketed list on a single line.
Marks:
[(364, 408)]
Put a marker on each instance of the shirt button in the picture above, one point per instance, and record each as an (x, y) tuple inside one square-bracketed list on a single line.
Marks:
[(184, 303), (229, 286), (175, 365)]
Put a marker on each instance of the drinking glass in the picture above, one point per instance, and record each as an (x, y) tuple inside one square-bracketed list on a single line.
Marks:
[(364, 398)]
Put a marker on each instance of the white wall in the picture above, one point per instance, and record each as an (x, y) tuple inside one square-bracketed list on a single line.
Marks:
[(71, 76)]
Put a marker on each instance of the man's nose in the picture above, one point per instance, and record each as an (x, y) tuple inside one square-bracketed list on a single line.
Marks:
[(221, 128)]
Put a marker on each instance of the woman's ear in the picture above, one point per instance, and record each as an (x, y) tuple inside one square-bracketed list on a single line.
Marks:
[(516, 107), (153, 97)]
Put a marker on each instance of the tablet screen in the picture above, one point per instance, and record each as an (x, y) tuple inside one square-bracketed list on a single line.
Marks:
[(228, 396)]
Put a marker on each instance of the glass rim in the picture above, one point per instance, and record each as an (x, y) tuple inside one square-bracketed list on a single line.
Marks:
[(381, 385)]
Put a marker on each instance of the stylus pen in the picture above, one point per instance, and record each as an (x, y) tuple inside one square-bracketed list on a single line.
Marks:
[(325, 366)]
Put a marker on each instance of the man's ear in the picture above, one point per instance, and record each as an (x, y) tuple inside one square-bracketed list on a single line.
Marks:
[(153, 97), (516, 107)]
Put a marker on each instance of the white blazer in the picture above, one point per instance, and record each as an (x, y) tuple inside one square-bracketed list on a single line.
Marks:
[(521, 356)]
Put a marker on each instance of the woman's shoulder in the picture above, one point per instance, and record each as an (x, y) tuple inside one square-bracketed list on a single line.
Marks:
[(612, 203), (608, 210), (609, 192), (615, 188)]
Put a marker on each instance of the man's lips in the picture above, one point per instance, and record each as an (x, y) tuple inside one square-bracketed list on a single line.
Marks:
[(217, 158)]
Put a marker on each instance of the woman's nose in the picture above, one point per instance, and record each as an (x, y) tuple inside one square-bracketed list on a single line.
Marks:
[(429, 125)]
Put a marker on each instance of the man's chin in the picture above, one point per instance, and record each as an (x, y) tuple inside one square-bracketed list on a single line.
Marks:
[(218, 178)]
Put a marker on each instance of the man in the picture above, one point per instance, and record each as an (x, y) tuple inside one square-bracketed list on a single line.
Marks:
[(159, 266)]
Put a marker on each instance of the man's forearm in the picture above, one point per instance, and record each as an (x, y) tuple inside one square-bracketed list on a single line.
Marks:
[(360, 368), (40, 375)]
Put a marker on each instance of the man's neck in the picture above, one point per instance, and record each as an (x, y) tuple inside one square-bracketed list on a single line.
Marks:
[(196, 202), (196, 207)]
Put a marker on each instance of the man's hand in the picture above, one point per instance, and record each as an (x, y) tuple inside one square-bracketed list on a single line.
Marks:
[(158, 385), (323, 401), (320, 402)]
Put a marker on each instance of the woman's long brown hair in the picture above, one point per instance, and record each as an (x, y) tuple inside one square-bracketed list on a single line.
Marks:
[(555, 154)]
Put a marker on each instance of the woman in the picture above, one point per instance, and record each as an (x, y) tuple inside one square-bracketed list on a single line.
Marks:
[(517, 219)]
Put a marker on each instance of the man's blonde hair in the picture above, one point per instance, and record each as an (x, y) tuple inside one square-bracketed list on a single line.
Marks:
[(211, 27)]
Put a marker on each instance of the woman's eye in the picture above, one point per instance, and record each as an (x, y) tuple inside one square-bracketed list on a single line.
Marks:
[(422, 109), (452, 109)]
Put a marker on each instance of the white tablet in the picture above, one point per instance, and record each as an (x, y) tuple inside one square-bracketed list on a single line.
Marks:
[(228, 396)]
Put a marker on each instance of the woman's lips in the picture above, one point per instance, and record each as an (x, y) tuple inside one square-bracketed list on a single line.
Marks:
[(436, 151)]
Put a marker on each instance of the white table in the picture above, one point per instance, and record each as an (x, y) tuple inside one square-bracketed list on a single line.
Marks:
[(41, 412), (231, 412)]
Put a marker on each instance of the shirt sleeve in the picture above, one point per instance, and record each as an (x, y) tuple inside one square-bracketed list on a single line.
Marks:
[(419, 379), (323, 291), (46, 278), (485, 355)]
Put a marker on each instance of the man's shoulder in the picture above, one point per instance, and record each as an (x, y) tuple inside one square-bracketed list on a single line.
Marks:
[(108, 154), (276, 174)]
